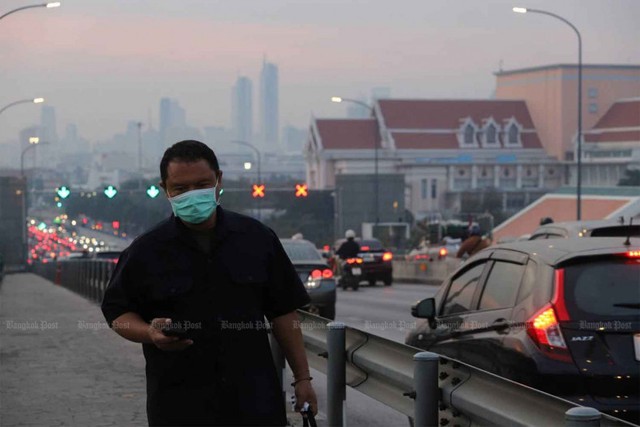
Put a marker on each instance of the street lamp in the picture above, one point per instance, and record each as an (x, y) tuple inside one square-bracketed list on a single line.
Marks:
[(47, 5), (339, 99), (258, 156), (33, 142), (22, 101), (579, 165)]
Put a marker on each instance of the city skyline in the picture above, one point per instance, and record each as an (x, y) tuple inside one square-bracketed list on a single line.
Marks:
[(89, 61)]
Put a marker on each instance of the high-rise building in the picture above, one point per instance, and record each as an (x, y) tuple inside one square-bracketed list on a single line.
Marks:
[(172, 116), (242, 109), (48, 130), (269, 107)]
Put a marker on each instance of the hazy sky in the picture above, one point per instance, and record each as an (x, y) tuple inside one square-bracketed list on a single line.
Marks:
[(101, 63)]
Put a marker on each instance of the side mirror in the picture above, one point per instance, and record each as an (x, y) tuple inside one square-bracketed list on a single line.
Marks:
[(425, 309)]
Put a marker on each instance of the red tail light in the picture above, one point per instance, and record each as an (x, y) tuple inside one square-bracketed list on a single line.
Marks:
[(633, 254), (327, 274), (443, 252), (316, 274), (544, 326), (364, 248), (388, 256), (354, 260)]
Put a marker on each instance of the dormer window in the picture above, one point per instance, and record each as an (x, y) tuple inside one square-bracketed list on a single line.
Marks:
[(490, 133), (467, 133), (512, 136)]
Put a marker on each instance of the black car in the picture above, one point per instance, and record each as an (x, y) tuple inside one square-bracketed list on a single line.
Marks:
[(315, 274), (559, 315), (377, 261)]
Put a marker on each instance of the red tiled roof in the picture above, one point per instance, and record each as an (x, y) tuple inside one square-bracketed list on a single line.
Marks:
[(627, 136), (409, 141), (446, 114), (348, 134), (560, 209), (621, 114), (435, 141)]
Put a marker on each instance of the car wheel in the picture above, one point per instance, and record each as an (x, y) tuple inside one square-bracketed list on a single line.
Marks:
[(372, 282), (328, 312), (388, 280), (355, 285)]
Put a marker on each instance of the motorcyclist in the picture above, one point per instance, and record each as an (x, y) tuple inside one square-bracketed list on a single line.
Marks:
[(350, 248), (474, 243)]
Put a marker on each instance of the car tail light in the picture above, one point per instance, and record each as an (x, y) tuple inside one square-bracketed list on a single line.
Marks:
[(354, 260), (544, 326), (364, 248), (633, 254), (388, 256), (443, 252), (316, 274), (327, 274)]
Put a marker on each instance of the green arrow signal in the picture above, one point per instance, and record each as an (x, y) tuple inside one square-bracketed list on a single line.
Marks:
[(110, 191), (63, 192), (153, 191)]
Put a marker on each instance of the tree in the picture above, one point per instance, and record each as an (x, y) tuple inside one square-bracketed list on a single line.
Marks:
[(631, 178)]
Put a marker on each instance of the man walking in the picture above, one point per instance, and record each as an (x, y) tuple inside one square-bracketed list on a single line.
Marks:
[(195, 291)]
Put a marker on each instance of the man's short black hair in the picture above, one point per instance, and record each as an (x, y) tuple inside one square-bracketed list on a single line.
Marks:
[(187, 151)]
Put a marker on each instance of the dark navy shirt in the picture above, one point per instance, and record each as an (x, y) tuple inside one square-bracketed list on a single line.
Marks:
[(222, 296)]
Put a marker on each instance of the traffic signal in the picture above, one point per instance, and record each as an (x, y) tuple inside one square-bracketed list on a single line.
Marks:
[(115, 225), (258, 191), (302, 190), (153, 191), (63, 192), (110, 191)]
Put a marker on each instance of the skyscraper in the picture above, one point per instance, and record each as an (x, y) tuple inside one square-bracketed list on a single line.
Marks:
[(269, 108), (242, 109), (172, 117), (48, 129)]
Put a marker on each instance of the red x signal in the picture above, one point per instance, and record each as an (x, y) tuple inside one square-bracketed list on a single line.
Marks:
[(258, 191), (302, 190)]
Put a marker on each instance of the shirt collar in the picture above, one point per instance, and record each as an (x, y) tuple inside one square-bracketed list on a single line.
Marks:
[(224, 225)]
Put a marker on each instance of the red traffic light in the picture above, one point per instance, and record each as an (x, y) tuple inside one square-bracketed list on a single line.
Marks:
[(258, 191), (115, 225), (302, 190)]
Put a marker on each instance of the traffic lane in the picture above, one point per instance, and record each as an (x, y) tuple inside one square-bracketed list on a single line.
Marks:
[(382, 310)]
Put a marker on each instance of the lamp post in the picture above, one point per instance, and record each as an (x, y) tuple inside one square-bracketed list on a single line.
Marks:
[(258, 156), (579, 164), (22, 101), (339, 99), (47, 5), (33, 142)]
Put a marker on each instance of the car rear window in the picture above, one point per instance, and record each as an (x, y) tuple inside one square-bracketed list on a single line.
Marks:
[(604, 289), (373, 245), (301, 251), (617, 231)]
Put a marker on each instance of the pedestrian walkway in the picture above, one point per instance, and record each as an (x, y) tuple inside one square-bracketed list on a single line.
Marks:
[(60, 364)]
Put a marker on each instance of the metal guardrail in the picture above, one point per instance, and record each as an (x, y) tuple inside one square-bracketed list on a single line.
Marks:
[(430, 389), (429, 271), (86, 277)]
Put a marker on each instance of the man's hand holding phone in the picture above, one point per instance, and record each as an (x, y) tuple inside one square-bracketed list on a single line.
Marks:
[(168, 336)]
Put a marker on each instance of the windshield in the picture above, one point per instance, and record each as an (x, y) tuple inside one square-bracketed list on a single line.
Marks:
[(301, 251), (604, 289)]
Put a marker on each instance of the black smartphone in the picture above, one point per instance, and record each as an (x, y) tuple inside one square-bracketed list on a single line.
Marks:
[(175, 330)]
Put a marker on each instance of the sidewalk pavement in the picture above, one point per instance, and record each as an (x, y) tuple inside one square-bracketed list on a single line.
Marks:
[(61, 365)]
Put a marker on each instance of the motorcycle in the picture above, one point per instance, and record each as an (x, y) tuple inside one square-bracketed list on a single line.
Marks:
[(351, 273)]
